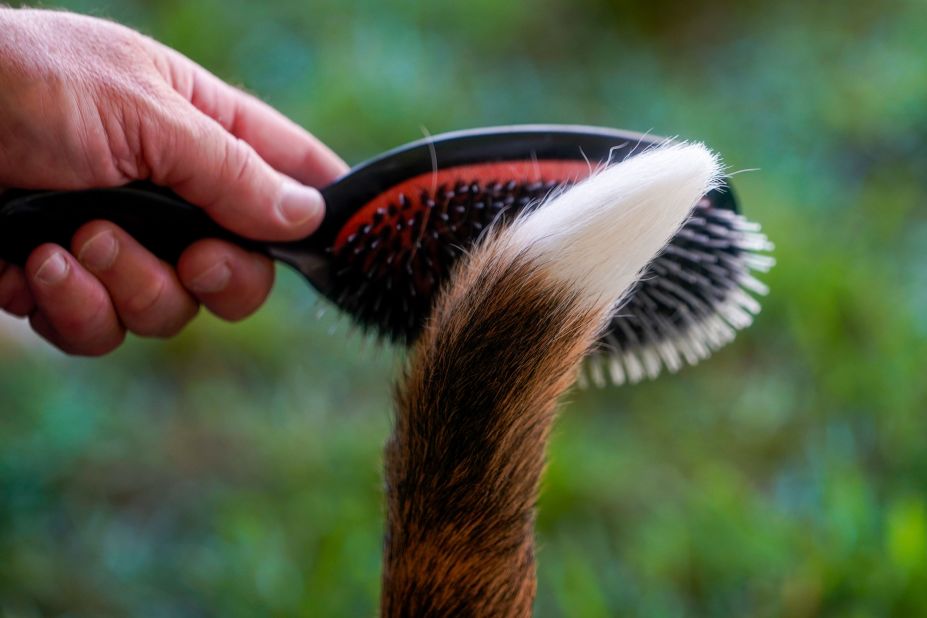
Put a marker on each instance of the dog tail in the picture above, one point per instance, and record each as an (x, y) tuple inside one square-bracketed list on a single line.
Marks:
[(475, 406)]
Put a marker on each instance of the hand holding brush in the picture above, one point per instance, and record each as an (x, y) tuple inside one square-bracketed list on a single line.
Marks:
[(86, 103)]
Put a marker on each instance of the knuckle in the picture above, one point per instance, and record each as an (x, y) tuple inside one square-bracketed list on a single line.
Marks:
[(166, 134), (126, 111), (238, 161), (145, 300), (146, 315), (172, 325), (142, 314)]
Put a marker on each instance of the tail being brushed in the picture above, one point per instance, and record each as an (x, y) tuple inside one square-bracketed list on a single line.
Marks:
[(477, 401)]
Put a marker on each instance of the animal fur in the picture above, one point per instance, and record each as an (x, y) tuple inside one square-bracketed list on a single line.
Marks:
[(475, 407)]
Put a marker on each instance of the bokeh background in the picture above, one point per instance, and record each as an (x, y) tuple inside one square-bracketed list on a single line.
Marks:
[(235, 471)]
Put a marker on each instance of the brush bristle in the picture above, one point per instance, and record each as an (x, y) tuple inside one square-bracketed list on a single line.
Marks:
[(691, 300), (389, 268)]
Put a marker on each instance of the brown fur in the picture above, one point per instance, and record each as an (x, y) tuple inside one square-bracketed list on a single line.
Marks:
[(473, 415)]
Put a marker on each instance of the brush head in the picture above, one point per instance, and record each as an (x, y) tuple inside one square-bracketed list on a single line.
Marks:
[(389, 256)]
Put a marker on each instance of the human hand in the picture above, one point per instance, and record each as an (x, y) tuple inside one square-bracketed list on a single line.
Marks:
[(88, 103)]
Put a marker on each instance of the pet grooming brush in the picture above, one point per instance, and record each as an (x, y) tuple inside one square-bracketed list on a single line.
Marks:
[(395, 225)]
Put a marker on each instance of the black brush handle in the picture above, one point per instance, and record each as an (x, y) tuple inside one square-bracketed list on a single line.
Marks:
[(159, 219)]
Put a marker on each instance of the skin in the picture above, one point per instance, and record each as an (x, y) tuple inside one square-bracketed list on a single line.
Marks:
[(88, 103)]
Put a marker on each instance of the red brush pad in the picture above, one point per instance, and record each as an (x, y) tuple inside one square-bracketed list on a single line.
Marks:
[(385, 208)]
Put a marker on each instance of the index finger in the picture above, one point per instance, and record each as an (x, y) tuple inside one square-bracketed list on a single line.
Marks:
[(282, 143)]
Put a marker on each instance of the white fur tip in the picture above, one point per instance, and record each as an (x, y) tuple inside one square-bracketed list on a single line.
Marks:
[(600, 234)]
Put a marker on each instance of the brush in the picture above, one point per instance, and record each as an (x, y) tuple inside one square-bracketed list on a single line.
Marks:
[(396, 224)]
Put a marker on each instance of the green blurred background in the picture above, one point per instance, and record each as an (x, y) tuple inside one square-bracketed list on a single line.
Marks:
[(235, 471)]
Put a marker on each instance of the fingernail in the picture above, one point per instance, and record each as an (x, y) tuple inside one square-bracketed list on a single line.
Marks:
[(99, 253), (213, 279), (299, 203), (53, 270)]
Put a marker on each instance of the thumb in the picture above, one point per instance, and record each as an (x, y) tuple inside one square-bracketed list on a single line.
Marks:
[(223, 174)]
